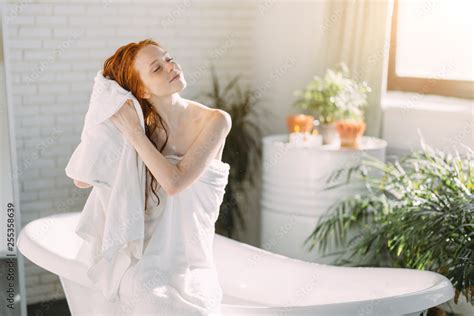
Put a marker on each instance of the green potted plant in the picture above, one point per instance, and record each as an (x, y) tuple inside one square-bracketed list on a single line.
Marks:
[(243, 147), (418, 212), (336, 97)]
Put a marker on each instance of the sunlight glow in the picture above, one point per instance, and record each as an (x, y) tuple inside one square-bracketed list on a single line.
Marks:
[(435, 39)]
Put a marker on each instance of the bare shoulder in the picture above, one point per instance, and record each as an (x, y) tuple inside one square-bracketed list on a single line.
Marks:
[(199, 110), (204, 113)]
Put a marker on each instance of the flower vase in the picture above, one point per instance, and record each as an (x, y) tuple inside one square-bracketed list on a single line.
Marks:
[(328, 132)]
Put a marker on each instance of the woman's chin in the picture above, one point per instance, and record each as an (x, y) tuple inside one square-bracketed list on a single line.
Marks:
[(180, 84)]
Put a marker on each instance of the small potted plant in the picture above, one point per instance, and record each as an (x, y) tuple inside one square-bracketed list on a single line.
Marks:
[(353, 98), (337, 101)]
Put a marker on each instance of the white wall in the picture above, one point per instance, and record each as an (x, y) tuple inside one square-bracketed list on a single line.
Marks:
[(289, 53), (55, 51)]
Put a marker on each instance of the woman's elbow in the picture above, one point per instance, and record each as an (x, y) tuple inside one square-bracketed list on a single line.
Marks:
[(81, 185), (171, 191), (173, 188), (225, 120)]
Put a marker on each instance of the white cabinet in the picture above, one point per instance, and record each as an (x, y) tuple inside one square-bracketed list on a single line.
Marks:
[(293, 198)]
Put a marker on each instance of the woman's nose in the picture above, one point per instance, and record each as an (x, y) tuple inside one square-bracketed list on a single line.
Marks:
[(170, 66)]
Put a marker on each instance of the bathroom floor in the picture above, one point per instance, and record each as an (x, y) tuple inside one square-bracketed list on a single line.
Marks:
[(50, 308)]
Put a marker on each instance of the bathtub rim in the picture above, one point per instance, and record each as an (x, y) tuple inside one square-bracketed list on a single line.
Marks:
[(73, 270), (395, 300)]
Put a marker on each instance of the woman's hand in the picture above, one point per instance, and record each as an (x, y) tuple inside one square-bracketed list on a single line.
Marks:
[(126, 120)]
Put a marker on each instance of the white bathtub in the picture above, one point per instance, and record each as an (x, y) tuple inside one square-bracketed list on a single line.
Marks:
[(255, 281)]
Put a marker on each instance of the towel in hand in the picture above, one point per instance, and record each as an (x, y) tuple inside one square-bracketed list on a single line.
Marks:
[(112, 221)]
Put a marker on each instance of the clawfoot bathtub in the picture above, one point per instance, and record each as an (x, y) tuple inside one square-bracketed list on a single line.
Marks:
[(254, 281)]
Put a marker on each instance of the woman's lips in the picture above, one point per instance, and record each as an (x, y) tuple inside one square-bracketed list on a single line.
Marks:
[(175, 77)]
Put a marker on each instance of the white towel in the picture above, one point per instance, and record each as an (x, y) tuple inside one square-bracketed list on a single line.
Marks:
[(112, 221), (177, 274)]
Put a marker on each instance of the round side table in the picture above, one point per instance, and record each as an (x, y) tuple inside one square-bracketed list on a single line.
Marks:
[(293, 196)]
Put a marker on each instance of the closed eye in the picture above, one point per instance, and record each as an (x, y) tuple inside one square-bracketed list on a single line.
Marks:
[(170, 59)]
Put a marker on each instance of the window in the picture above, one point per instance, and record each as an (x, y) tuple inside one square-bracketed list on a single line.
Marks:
[(431, 49)]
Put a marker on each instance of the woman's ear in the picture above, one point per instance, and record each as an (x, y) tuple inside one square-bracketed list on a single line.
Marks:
[(145, 95)]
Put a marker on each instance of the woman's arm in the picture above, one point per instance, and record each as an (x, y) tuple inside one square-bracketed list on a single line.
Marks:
[(175, 178)]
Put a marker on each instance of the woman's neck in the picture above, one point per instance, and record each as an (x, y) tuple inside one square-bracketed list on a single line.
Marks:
[(170, 108)]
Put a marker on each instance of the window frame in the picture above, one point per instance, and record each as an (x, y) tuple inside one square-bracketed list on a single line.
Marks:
[(452, 88)]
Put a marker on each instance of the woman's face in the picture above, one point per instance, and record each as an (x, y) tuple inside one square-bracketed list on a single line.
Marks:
[(157, 68)]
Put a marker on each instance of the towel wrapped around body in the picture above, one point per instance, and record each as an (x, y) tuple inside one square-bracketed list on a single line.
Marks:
[(177, 274)]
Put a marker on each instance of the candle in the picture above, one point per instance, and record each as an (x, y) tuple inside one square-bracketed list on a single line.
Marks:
[(296, 137), (312, 139)]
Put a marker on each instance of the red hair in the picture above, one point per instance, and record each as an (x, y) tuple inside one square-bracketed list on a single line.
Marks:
[(120, 67)]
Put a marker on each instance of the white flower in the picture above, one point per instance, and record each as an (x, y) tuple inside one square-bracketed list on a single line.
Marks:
[(335, 95)]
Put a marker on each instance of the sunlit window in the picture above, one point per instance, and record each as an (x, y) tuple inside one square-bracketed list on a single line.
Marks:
[(433, 39)]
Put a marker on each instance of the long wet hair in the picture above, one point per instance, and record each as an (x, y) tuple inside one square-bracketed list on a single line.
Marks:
[(120, 67)]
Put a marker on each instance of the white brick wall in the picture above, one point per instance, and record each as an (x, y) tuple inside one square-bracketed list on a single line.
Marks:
[(55, 51)]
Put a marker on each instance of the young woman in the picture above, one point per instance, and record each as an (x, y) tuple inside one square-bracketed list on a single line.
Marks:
[(176, 275)]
